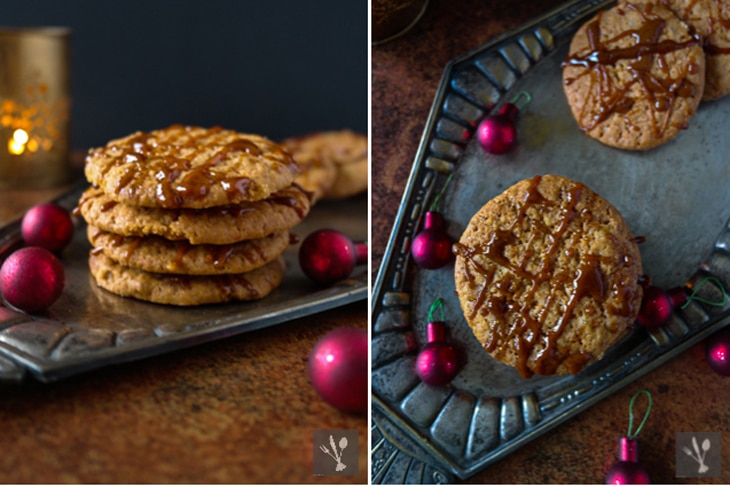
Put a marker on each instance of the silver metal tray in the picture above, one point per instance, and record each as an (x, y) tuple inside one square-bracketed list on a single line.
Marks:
[(676, 196), (88, 327)]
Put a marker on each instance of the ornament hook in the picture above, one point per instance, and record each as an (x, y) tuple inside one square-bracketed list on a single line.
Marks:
[(521, 94), (436, 204), (631, 413), (437, 304), (695, 297)]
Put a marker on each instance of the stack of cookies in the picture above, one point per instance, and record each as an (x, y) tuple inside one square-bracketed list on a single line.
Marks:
[(636, 73), (548, 275), (189, 215), (334, 164)]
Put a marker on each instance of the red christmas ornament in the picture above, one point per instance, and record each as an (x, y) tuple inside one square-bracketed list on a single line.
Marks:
[(48, 226), (338, 369), (327, 256), (627, 469), (431, 247), (438, 362), (717, 352), (657, 305), (497, 134), (31, 279)]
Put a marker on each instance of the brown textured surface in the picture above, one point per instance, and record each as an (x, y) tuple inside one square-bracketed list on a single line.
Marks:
[(235, 411), (688, 395)]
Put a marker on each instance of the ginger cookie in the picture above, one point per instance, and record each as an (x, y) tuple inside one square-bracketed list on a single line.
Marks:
[(711, 20), (190, 167), (634, 76), (548, 276), (219, 225), (318, 170), (345, 151), (156, 254), (185, 290)]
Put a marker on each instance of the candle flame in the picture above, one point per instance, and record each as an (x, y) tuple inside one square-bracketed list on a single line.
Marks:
[(16, 144)]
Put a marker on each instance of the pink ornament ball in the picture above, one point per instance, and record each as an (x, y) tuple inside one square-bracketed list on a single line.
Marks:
[(656, 308), (717, 352), (338, 369), (627, 473), (31, 279), (431, 248), (327, 256), (497, 134), (48, 226)]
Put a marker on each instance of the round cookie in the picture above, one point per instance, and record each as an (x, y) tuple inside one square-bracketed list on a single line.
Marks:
[(634, 76), (343, 150), (156, 254), (548, 276), (318, 172), (220, 225), (190, 167), (711, 20), (185, 290)]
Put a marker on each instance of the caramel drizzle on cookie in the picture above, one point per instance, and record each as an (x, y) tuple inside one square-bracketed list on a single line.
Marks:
[(717, 19), (177, 180), (518, 320), (607, 96)]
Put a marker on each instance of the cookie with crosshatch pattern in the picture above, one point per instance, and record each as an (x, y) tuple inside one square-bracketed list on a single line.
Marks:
[(548, 276), (711, 20), (190, 167), (634, 76)]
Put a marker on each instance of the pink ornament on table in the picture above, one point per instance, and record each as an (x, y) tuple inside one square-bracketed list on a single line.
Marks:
[(327, 256), (31, 279), (438, 362), (717, 352), (627, 469), (497, 134), (339, 369)]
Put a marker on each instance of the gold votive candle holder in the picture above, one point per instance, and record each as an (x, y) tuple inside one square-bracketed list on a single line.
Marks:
[(393, 18), (35, 107)]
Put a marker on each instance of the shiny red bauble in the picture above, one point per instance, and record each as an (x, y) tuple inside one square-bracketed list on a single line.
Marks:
[(327, 256), (497, 133), (627, 470), (438, 362), (657, 306), (338, 369), (31, 279), (48, 226), (431, 247), (717, 352)]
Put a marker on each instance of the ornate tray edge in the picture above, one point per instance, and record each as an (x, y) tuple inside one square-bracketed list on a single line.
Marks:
[(64, 351)]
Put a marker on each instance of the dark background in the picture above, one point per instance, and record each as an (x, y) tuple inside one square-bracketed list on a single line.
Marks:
[(277, 68)]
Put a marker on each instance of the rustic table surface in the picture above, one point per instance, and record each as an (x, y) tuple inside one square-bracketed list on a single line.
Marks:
[(688, 395), (240, 410)]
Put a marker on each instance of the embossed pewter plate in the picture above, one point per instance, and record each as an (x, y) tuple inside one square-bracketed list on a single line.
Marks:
[(89, 327), (676, 196)]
